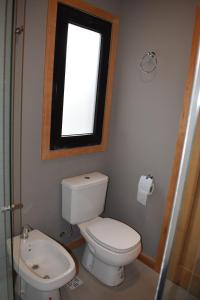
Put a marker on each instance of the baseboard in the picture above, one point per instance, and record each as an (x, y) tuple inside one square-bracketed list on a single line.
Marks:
[(147, 260), (75, 244)]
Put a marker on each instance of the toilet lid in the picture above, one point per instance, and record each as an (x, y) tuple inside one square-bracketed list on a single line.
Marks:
[(114, 235)]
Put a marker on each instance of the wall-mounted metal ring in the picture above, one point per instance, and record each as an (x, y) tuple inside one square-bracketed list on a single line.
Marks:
[(149, 62)]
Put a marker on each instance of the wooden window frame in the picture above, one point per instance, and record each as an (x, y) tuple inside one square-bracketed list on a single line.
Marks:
[(46, 153)]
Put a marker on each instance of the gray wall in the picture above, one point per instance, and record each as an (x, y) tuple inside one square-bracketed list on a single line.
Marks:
[(144, 121), (146, 109), (40, 182)]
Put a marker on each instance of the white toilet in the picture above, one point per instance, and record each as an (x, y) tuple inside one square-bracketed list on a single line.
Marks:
[(110, 244)]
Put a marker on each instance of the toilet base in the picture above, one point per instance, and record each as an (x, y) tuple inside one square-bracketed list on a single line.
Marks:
[(107, 274), (26, 292)]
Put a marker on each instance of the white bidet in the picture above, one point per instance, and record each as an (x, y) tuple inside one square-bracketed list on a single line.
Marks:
[(43, 265)]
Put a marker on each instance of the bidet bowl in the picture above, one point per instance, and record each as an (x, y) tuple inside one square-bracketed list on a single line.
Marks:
[(42, 262)]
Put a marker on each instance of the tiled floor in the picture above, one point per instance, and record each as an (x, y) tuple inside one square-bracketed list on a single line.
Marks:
[(140, 284), (174, 292)]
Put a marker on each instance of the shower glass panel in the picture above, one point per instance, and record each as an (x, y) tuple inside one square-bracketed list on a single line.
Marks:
[(6, 276), (183, 276), (180, 271)]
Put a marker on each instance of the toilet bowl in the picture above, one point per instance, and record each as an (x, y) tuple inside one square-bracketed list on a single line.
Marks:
[(116, 249), (42, 265), (110, 244)]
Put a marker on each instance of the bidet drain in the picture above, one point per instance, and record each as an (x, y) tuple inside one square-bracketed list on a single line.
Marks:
[(74, 283), (35, 267), (46, 277)]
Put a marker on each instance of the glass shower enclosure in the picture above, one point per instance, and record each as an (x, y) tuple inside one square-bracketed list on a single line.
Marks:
[(180, 270), (6, 20)]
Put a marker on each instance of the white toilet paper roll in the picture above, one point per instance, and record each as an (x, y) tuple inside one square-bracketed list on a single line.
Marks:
[(145, 188)]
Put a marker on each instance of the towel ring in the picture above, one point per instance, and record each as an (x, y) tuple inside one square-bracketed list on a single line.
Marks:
[(149, 62)]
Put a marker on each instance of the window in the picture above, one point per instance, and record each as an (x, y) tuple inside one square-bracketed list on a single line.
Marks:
[(81, 78), (77, 90)]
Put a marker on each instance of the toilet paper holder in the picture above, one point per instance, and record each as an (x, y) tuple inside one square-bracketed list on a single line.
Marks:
[(150, 176), (153, 186)]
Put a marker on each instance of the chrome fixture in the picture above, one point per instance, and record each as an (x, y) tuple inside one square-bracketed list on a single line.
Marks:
[(25, 230), (19, 30), (11, 207)]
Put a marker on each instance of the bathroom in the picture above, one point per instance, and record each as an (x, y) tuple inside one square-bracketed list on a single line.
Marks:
[(143, 130)]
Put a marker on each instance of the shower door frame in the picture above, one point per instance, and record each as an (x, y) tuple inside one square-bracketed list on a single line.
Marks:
[(7, 17)]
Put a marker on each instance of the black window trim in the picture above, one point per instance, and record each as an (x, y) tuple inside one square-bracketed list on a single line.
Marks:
[(66, 15)]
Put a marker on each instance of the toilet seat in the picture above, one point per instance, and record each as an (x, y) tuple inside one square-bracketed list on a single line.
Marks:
[(113, 235)]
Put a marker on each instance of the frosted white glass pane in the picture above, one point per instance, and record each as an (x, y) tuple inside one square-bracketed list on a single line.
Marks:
[(81, 75)]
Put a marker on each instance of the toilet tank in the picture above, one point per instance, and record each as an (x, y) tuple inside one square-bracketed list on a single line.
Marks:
[(83, 197)]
